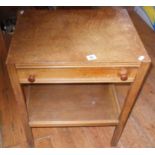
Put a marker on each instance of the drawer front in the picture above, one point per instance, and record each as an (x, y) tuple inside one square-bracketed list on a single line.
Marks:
[(76, 75)]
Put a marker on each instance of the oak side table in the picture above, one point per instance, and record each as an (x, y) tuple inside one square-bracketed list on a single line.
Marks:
[(63, 67)]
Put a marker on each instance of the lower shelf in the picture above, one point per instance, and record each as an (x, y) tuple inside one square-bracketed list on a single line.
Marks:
[(72, 105)]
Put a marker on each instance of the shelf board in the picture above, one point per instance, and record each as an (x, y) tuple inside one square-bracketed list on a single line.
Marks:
[(72, 105)]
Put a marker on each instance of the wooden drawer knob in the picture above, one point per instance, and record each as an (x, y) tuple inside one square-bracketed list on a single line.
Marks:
[(31, 78), (123, 74)]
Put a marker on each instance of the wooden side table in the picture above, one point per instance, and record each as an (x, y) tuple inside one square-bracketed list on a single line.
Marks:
[(71, 61)]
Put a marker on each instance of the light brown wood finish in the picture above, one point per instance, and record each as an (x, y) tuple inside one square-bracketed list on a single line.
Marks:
[(72, 105), (21, 106), (139, 130), (76, 75), (129, 101), (109, 34), (66, 37), (12, 131), (1, 80), (6, 113)]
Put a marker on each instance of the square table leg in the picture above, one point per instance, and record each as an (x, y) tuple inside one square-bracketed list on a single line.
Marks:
[(130, 101), (20, 104)]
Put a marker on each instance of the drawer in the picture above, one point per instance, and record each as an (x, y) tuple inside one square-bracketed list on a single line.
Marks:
[(76, 75)]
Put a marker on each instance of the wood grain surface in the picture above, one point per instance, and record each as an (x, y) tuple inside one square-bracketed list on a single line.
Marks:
[(140, 124), (76, 75), (66, 37), (72, 105)]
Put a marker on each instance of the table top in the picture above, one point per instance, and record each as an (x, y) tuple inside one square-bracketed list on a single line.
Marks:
[(76, 38)]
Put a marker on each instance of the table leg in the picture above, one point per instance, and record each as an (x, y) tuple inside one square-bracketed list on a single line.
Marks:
[(129, 101), (20, 105)]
